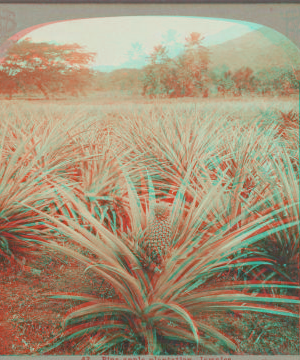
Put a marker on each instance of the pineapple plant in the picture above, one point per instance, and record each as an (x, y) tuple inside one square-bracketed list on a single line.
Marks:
[(149, 312)]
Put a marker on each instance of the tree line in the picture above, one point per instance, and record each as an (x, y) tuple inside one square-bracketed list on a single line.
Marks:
[(48, 69), (189, 74)]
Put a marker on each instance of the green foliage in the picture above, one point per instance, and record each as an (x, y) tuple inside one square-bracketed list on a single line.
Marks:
[(245, 82), (150, 309), (231, 180), (277, 81), (187, 73), (29, 68), (182, 75)]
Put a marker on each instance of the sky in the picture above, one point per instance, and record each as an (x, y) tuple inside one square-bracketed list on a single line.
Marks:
[(121, 41)]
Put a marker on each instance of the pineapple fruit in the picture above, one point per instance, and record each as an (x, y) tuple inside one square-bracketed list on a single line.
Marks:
[(107, 291), (158, 238)]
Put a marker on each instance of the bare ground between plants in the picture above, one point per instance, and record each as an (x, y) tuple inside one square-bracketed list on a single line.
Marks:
[(27, 321)]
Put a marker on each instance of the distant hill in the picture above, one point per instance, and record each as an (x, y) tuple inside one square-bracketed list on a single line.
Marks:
[(260, 49)]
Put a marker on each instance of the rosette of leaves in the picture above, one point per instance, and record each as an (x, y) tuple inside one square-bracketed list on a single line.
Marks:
[(151, 310)]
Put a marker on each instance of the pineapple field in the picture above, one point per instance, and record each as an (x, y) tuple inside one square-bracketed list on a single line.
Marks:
[(163, 227)]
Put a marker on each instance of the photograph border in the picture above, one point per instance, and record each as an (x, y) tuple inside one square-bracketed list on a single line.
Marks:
[(11, 24)]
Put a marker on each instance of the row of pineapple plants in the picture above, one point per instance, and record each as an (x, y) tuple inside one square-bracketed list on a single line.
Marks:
[(173, 214)]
